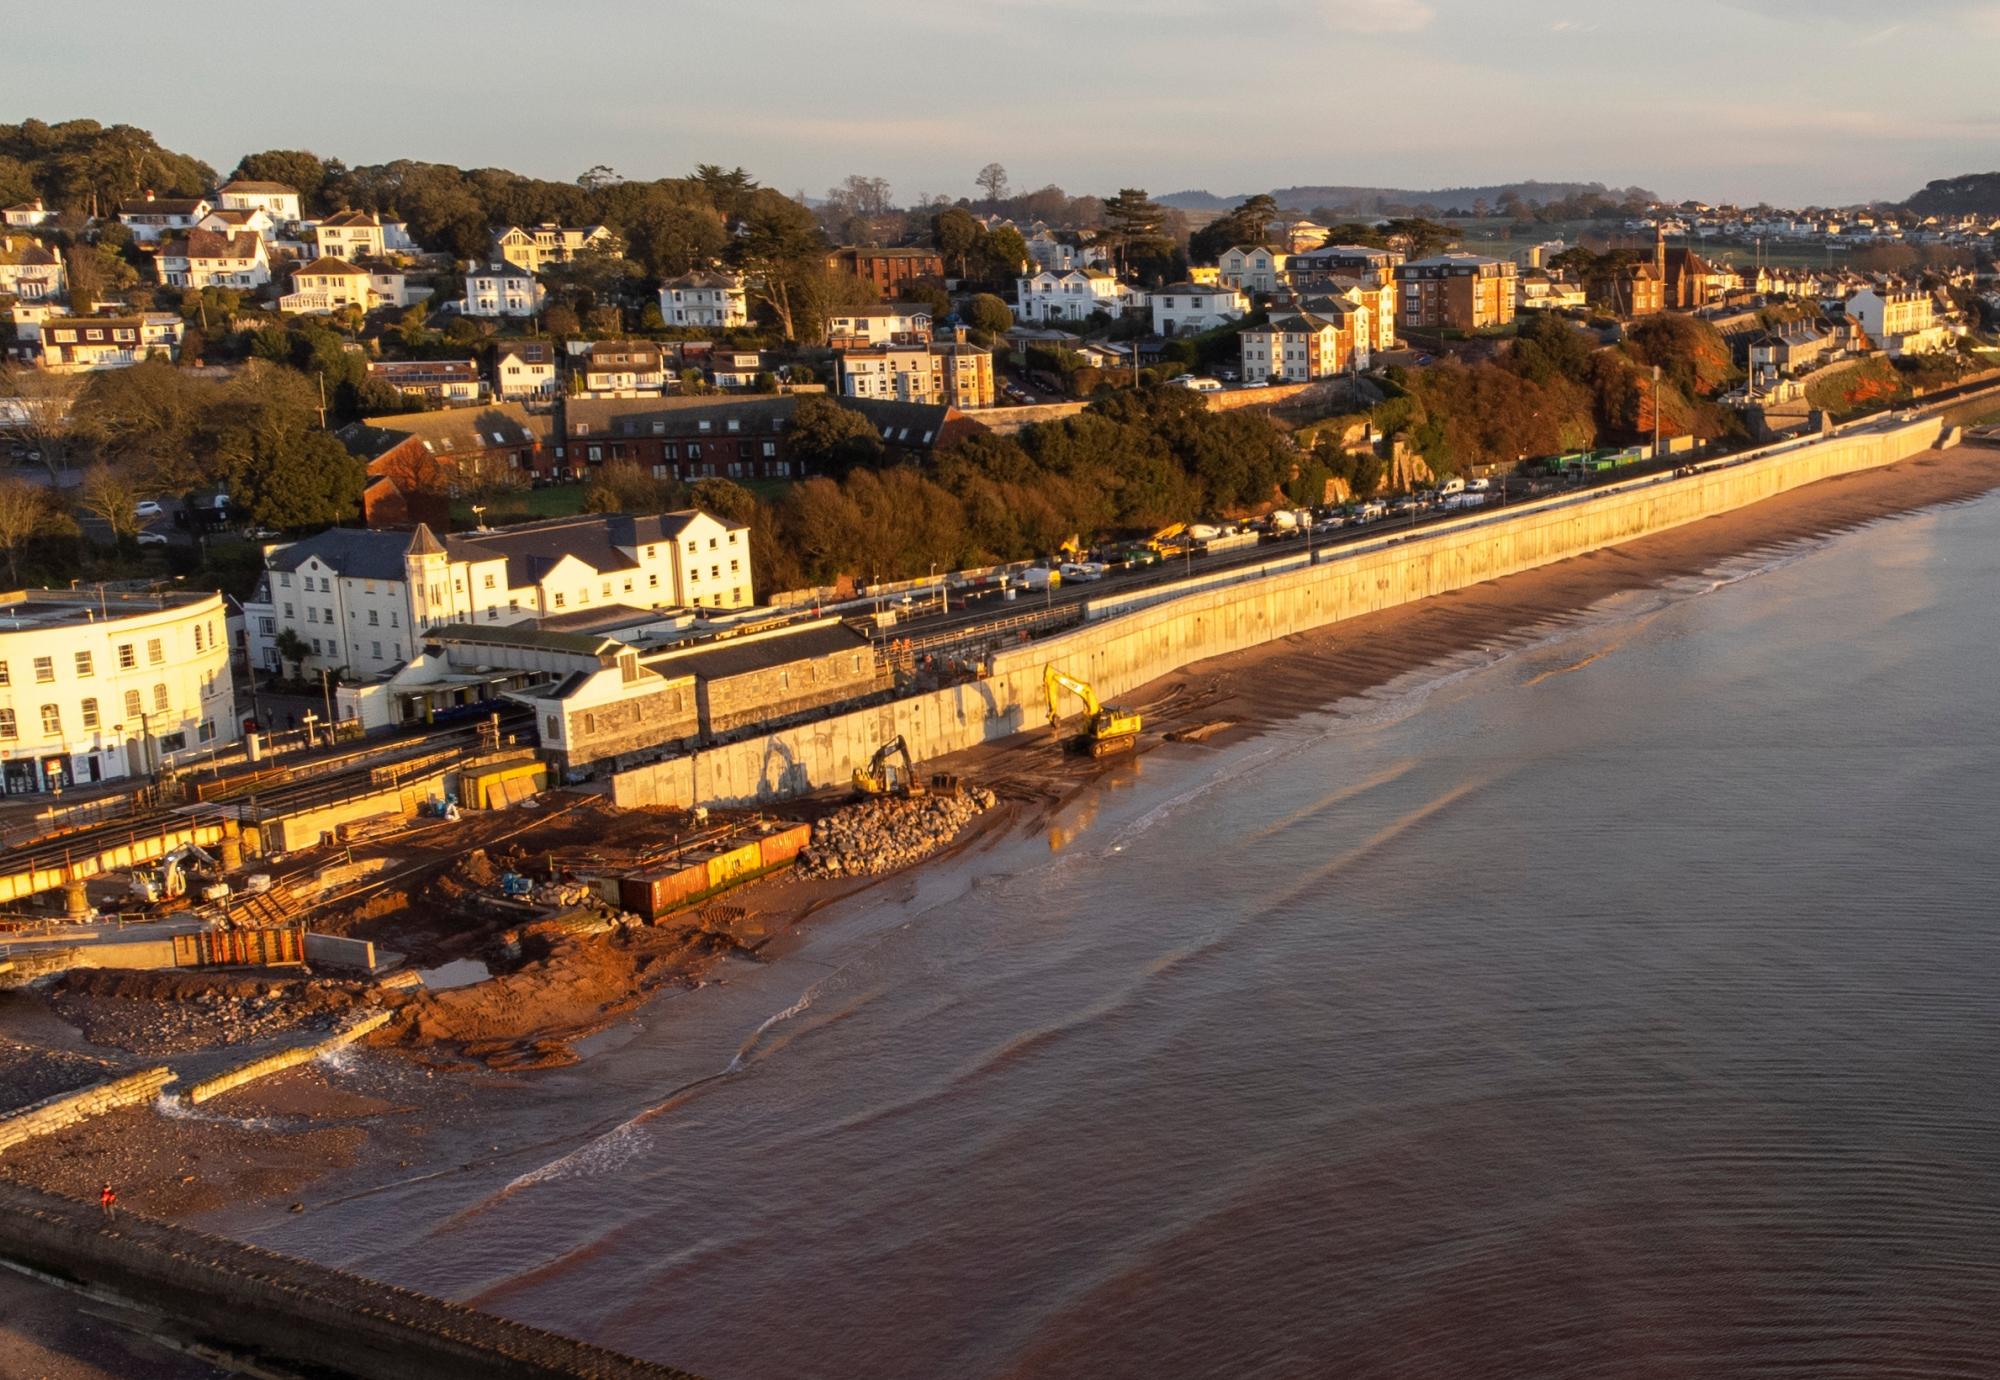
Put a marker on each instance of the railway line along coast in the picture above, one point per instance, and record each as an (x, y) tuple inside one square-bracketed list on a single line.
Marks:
[(1127, 640)]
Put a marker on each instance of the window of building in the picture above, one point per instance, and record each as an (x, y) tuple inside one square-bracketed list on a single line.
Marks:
[(155, 653), (45, 669), (316, 647), (89, 715), (375, 650), (312, 614), (51, 721), (555, 727), (206, 731), (7, 730), (173, 742), (5, 678), (284, 581), (160, 701), (132, 704), (559, 601), (374, 618), (85, 667)]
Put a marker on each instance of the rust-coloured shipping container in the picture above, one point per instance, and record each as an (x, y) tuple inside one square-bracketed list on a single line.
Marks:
[(784, 844), (656, 891)]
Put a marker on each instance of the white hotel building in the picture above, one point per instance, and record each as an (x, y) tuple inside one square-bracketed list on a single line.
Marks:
[(100, 687), (361, 599)]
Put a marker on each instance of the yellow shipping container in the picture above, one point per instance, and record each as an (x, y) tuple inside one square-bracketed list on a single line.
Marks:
[(726, 867)]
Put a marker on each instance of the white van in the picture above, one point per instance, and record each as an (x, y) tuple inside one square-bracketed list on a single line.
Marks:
[(1453, 485)]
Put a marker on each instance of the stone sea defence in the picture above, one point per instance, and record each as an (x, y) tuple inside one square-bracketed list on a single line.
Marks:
[(288, 1314), (1131, 640), (65, 1110)]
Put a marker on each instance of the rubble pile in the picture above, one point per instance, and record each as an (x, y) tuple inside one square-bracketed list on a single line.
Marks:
[(171, 1012), (882, 835)]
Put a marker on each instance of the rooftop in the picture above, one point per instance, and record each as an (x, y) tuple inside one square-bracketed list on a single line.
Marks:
[(760, 652), (24, 609)]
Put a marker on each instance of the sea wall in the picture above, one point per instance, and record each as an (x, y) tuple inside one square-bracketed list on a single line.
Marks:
[(1118, 654), (65, 1110), (284, 1059), (290, 1314)]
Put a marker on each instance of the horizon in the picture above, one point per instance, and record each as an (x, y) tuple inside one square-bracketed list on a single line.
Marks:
[(1572, 114)]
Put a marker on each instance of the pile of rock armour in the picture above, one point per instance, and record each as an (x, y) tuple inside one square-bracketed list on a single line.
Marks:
[(882, 835)]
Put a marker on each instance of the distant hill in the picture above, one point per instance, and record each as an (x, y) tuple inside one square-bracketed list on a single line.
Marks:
[(1974, 193), (1383, 200)]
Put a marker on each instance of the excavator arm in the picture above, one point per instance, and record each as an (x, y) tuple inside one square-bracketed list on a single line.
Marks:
[(1107, 728), (874, 779)]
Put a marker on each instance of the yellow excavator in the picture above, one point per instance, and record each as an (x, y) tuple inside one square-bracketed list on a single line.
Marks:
[(1107, 728), (883, 777), (1071, 550)]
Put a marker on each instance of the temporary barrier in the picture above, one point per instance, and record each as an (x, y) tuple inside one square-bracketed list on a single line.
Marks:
[(241, 948)]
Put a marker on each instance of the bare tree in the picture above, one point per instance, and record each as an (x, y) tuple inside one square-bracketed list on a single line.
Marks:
[(110, 495), (992, 180), (39, 406), (26, 512)]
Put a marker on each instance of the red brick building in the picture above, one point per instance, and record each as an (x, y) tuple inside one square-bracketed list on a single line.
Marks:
[(887, 269)]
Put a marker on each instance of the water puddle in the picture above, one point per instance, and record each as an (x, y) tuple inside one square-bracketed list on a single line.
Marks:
[(460, 972)]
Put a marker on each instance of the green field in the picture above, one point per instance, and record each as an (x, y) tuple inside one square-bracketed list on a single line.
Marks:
[(523, 505)]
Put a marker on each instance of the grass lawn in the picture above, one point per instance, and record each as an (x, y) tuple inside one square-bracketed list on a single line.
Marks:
[(524, 505)]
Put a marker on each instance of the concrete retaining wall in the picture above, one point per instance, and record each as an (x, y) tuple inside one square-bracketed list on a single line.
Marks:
[(337, 951), (291, 1314), (1119, 654), (65, 1110), (284, 1059)]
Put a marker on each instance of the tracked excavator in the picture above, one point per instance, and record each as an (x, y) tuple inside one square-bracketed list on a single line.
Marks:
[(1107, 728), (883, 777)]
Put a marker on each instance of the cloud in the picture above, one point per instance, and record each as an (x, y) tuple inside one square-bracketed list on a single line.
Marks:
[(1378, 16)]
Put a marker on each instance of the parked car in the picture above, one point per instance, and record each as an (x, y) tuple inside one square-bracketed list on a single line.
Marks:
[(152, 539), (149, 508)]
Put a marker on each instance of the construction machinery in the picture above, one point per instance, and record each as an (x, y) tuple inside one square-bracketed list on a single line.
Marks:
[(1170, 540), (881, 776), (169, 879), (1107, 728)]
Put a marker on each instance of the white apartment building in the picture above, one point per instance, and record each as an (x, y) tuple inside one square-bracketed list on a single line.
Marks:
[(705, 300), (1190, 308), (226, 221), (327, 285), (274, 199), (209, 259), (502, 290), (361, 599), (1252, 268), (28, 215), (100, 687), (1899, 321), (1073, 295)]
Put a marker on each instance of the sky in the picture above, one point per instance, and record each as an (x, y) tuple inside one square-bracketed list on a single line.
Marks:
[(1787, 101)]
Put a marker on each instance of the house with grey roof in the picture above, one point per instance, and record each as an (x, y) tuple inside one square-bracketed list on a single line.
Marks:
[(360, 600)]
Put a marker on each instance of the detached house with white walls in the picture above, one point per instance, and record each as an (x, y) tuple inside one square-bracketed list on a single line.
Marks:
[(151, 219), (275, 199), (1190, 308), (208, 259), (1252, 268), (1071, 295), (704, 299), (502, 290), (351, 235)]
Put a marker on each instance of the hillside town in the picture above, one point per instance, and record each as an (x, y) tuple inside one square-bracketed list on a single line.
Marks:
[(583, 748)]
